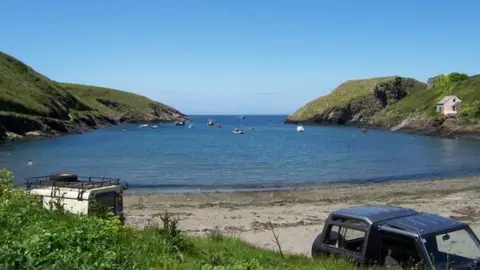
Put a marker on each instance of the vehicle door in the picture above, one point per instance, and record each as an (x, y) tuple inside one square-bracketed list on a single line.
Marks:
[(399, 251), (346, 237)]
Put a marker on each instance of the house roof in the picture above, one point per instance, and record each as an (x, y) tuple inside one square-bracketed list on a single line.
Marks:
[(447, 98)]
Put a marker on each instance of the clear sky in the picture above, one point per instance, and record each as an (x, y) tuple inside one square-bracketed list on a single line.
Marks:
[(239, 56)]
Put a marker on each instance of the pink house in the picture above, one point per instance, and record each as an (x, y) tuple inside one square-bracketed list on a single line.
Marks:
[(449, 105)]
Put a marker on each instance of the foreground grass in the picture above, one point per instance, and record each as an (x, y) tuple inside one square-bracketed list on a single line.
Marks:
[(35, 238)]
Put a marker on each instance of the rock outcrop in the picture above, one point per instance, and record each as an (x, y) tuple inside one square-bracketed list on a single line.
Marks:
[(355, 102)]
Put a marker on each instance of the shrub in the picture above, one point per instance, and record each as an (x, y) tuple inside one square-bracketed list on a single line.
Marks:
[(470, 111), (36, 238), (457, 77), (6, 180)]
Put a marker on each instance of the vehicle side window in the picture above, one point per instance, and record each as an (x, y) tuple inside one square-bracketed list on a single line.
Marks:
[(345, 238), (107, 199), (397, 250)]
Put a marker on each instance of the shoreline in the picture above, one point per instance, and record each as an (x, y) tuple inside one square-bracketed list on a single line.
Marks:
[(36, 135), (298, 215), (432, 132), (308, 185)]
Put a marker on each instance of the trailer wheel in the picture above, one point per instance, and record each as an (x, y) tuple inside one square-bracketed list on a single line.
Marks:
[(66, 177)]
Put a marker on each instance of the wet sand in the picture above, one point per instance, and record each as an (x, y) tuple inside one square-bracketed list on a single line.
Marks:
[(298, 215)]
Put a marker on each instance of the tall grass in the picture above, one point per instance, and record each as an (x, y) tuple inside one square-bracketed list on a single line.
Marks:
[(35, 238)]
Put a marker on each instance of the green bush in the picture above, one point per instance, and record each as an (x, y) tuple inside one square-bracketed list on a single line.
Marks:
[(470, 111), (457, 77), (34, 238)]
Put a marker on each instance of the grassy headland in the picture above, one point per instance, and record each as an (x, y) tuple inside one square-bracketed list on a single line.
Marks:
[(395, 101), (35, 238), (32, 104)]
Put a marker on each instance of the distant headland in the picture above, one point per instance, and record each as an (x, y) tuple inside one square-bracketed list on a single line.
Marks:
[(445, 106), (32, 105)]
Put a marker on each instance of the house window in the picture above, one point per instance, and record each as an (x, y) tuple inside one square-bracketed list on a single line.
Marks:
[(453, 100), (344, 238), (454, 108)]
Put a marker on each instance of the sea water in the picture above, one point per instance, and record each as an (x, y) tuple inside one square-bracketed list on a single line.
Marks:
[(174, 158)]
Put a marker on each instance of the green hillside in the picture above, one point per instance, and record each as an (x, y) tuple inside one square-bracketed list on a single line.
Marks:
[(340, 96), (120, 104), (31, 103), (399, 103), (22, 90), (423, 102), (356, 100)]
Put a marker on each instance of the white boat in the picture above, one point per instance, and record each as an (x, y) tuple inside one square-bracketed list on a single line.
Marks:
[(154, 126), (210, 122), (300, 128), (238, 131), (144, 125)]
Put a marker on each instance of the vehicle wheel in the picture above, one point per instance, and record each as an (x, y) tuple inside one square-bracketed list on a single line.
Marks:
[(66, 177), (317, 244), (316, 247)]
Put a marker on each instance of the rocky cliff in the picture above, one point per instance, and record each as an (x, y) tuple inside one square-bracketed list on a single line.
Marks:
[(355, 101), (33, 105)]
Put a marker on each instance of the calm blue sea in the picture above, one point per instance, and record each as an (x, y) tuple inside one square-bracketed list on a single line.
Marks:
[(178, 159)]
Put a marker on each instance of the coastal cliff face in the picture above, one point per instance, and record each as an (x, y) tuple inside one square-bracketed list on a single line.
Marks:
[(399, 104), (355, 101), (32, 105)]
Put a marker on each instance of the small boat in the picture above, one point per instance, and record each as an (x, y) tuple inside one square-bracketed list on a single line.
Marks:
[(219, 125), (364, 130), (180, 123), (251, 128), (210, 122), (191, 126), (144, 125), (155, 126), (300, 128), (241, 117), (238, 131)]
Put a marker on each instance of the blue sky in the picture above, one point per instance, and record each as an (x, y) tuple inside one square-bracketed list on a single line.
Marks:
[(240, 56)]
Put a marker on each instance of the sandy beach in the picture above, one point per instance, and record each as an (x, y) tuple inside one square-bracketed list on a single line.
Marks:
[(298, 215)]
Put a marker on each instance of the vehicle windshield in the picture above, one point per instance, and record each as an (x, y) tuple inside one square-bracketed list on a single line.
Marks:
[(453, 248)]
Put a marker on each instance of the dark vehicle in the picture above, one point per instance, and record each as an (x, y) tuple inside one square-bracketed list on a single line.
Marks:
[(398, 237)]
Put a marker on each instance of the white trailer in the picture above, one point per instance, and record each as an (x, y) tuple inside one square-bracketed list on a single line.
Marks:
[(77, 194)]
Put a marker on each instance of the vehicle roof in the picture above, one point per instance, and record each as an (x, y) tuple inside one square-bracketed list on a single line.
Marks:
[(423, 223), (72, 193), (376, 213), (401, 218)]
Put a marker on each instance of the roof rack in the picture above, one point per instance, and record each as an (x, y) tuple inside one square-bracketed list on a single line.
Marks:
[(82, 183)]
